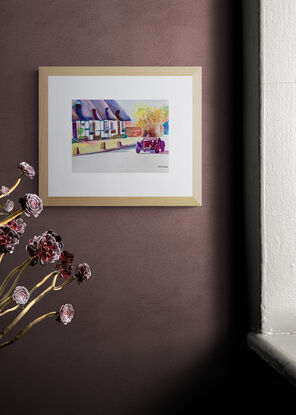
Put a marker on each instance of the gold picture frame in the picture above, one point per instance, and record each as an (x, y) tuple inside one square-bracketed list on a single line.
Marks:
[(195, 199)]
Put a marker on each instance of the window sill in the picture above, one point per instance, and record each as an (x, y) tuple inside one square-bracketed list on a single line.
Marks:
[(278, 350)]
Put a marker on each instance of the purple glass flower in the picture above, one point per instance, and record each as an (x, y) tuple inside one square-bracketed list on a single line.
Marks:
[(82, 272), (8, 239), (32, 204), (4, 190), (46, 247), (17, 225), (65, 264), (21, 295), (66, 313), (26, 169), (9, 205)]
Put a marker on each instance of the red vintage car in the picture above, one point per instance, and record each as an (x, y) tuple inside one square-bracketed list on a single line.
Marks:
[(150, 144)]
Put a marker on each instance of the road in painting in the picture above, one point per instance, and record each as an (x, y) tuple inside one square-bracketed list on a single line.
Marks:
[(127, 136)]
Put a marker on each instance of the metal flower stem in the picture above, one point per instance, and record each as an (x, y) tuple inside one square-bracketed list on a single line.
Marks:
[(28, 307), (27, 263), (55, 288), (13, 187), (4, 303), (9, 310), (14, 215), (59, 287), (42, 282), (11, 274), (28, 327), (9, 299), (1, 257)]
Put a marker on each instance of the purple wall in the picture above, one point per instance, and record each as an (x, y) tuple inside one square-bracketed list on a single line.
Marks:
[(152, 323)]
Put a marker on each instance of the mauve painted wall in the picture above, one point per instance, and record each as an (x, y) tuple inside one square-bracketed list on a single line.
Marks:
[(152, 323)]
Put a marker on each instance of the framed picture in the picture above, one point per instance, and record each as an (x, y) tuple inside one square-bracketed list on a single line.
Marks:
[(120, 136)]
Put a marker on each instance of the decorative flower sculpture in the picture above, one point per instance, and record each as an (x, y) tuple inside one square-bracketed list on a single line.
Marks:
[(65, 264), (45, 249), (31, 204), (21, 295), (9, 205), (26, 169), (82, 272), (66, 313), (4, 191), (8, 239), (17, 225)]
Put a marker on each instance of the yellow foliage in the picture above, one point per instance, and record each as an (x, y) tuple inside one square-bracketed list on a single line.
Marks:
[(149, 118)]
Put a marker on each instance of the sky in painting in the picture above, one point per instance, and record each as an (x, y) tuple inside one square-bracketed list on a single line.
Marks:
[(130, 105)]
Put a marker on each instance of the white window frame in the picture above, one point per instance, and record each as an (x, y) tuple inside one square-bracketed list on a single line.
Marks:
[(270, 117)]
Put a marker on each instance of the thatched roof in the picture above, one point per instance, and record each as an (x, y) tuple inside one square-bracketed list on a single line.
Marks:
[(83, 110)]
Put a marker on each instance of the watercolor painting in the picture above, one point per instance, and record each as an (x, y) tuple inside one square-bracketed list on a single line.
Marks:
[(128, 136)]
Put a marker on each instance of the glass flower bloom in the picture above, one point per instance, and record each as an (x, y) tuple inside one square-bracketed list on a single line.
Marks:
[(17, 225), (21, 295), (82, 272), (32, 204), (66, 313), (8, 239), (9, 205), (4, 190), (46, 247), (65, 264), (26, 169)]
